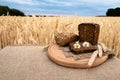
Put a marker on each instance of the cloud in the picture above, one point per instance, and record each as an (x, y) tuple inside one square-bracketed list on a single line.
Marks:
[(81, 7), (28, 2), (77, 2), (70, 7)]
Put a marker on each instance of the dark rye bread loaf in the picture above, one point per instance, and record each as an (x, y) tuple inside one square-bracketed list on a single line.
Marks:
[(82, 49), (89, 32), (63, 39)]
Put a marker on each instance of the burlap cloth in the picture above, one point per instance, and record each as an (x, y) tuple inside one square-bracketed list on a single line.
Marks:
[(31, 63)]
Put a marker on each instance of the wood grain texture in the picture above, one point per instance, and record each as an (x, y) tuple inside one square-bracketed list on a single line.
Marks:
[(57, 55)]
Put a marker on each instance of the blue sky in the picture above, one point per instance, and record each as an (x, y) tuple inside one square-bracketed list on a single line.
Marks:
[(62, 7)]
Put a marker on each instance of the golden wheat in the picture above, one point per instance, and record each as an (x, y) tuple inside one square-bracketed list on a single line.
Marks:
[(41, 30)]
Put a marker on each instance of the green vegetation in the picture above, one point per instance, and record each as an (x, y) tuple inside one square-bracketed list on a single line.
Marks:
[(113, 12), (5, 10)]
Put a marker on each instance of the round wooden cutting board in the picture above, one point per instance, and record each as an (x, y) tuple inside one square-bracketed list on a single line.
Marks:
[(57, 55)]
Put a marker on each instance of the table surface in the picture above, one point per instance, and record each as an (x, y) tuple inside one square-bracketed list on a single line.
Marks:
[(32, 63)]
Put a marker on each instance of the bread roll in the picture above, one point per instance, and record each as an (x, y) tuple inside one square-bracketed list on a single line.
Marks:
[(63, 39)]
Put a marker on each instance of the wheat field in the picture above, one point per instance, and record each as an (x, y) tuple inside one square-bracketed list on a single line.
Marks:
[(41, 30)]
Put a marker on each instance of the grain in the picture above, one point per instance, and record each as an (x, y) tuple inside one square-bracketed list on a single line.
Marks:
[(41, 30)]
